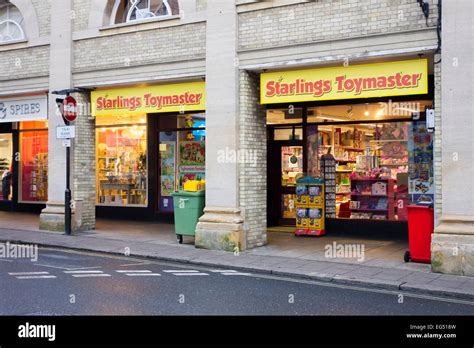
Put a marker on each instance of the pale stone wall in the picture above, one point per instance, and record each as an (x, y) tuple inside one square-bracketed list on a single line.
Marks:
[(140, 48), (24, 63), (329, 20), (43, 12), (452, 247), (201, 5), (80, 15)]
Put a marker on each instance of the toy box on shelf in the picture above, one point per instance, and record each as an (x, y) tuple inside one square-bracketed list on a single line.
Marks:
[(372, 198), (310, 207)]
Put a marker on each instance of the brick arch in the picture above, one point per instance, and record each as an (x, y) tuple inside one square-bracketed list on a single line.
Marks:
[(30, 19)]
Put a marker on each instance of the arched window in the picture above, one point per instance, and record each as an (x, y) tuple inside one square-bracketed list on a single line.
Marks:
[(125, 11), (11, 22)]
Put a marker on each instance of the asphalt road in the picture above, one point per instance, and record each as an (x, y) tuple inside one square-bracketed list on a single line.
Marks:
[(63, 282)]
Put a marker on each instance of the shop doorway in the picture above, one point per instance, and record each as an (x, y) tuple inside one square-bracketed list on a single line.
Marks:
[(181, 157), (287, 157)]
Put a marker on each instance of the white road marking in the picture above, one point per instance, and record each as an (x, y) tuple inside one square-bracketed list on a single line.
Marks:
[(230, 272), (66, 268), (6, 260), (36, 277), (27, 273), (190, 274), (179, 271), (138, 273), (91, 275), (83, 272), (223, 270), (133, 271)]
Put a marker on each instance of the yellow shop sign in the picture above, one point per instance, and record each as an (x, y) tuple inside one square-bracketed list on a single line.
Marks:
[(346, 82), (164, 98)]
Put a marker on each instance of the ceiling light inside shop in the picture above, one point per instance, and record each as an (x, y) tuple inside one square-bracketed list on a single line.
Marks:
[(366, 113)]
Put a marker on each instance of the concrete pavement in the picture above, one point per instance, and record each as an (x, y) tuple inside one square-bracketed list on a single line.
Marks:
[(415, 278)]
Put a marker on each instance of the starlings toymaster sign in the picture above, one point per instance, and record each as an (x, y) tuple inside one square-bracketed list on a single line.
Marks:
[(150, 99), (346, 82)]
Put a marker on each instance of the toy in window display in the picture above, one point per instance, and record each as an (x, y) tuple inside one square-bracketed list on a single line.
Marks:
[(302, 220), (301, 190), (188, 123), (301, 212), (315, 213), (315, 190)]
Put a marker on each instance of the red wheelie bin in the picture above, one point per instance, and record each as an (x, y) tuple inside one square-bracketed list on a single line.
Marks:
[(420, 229)]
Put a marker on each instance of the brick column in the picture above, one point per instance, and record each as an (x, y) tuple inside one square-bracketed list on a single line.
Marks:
[(83, 157), (253, 160)]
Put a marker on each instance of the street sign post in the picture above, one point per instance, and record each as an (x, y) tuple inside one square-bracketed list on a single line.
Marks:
[(68, 108), (65, 132)]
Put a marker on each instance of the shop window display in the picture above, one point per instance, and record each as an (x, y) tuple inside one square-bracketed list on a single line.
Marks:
[(371, 169), (182, 156), (6, 153), (122, 161), (192, 149), (291, 164), (34, 161)]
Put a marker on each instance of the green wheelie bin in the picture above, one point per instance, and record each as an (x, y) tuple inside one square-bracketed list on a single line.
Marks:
[(188, 208)]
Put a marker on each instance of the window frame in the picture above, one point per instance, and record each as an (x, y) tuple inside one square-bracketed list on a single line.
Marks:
[(8, 6), (133, 7)]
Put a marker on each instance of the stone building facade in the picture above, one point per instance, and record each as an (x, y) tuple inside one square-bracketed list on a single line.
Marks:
[(75, 44)]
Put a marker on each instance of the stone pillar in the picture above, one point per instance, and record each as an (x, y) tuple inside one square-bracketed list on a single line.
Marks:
[(222, 226), (83, 166), (60, 77), (452, 247)]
